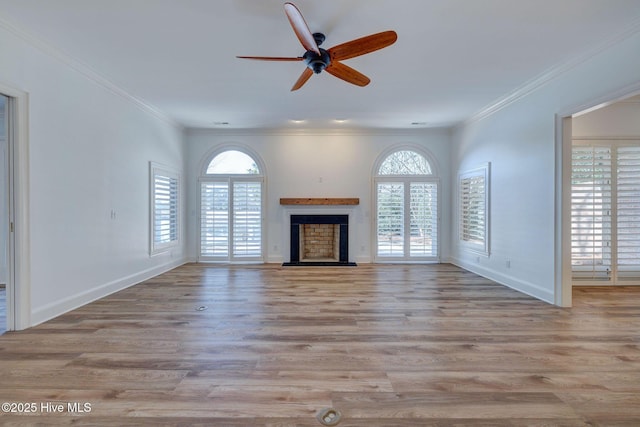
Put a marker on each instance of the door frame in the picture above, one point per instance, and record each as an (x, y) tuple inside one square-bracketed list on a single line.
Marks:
[(19, 277), (406, 182), (230, 179), (563, 144)]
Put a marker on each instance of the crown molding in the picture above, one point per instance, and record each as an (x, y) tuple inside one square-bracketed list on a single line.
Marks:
[(634, 138), (320, 131), (551, 74), (631, 100), (602, 101), (85, 70)]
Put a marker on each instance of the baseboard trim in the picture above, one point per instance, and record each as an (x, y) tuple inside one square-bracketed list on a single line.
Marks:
[(65, 305), (525, 287)]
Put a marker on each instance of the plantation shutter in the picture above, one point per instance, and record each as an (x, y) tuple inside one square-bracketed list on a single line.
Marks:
[(628, 215), (390, 219), (247, 219), (473, 209), (591, 204), (165, 209), (423, 219), (214, 219)]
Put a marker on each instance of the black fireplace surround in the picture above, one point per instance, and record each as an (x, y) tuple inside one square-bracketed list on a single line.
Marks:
[(341, 220)]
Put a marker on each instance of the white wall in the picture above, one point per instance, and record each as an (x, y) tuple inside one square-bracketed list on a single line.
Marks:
[(519, 141), (621, 119), (295, 162), (89, 152)]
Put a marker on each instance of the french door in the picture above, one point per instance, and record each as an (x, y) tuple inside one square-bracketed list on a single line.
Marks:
[(231, 216), (605, 212), (406, 220)]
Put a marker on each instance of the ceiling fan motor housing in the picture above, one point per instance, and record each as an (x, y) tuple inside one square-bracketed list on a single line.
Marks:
[(316, 62)]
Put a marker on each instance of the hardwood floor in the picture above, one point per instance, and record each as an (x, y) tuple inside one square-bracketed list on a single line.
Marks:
[(401, 345)]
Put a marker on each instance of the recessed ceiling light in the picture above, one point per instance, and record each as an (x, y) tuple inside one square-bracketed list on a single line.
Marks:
[(340, 120), (298, 120)]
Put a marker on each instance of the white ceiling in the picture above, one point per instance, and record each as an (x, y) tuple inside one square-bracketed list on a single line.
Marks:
[(453, 58)]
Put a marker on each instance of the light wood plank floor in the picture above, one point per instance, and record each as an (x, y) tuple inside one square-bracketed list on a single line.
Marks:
[(400, 345)]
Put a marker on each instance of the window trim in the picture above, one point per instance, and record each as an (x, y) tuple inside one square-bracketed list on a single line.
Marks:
[(382, 157), (407, 179), (157, 169), (215, 151), (483, 247), (406, 182), (230, 179)]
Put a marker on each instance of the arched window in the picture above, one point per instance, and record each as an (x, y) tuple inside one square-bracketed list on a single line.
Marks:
[(406, 197), (232, 162), (231, 207), (405, 162)]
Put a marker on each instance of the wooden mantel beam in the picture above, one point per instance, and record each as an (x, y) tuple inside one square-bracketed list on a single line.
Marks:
[(320, 201)]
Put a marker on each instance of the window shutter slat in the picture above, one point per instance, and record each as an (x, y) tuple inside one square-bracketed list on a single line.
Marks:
[(390, 221), (473, 210), (628, 204), (591, 198), (423, 219), (231, 219), (247, 219), (165, 209), (214, 219)]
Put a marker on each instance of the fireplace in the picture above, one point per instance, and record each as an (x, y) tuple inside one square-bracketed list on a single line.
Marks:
[(319, 240)]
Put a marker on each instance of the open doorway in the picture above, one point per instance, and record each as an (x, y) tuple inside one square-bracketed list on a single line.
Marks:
[(605, 195), (599, 203), (14, 208), (4, 212)]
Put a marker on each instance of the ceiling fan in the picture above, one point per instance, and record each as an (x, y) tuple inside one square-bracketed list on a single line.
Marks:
[(318, 59)]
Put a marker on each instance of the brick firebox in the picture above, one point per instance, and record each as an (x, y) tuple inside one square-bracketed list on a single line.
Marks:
[(319, 240)]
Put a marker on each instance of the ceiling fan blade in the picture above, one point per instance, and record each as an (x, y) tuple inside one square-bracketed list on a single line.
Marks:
[(306, 75), (362, 45), (300, 27), (347, 74), (271, 58)]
